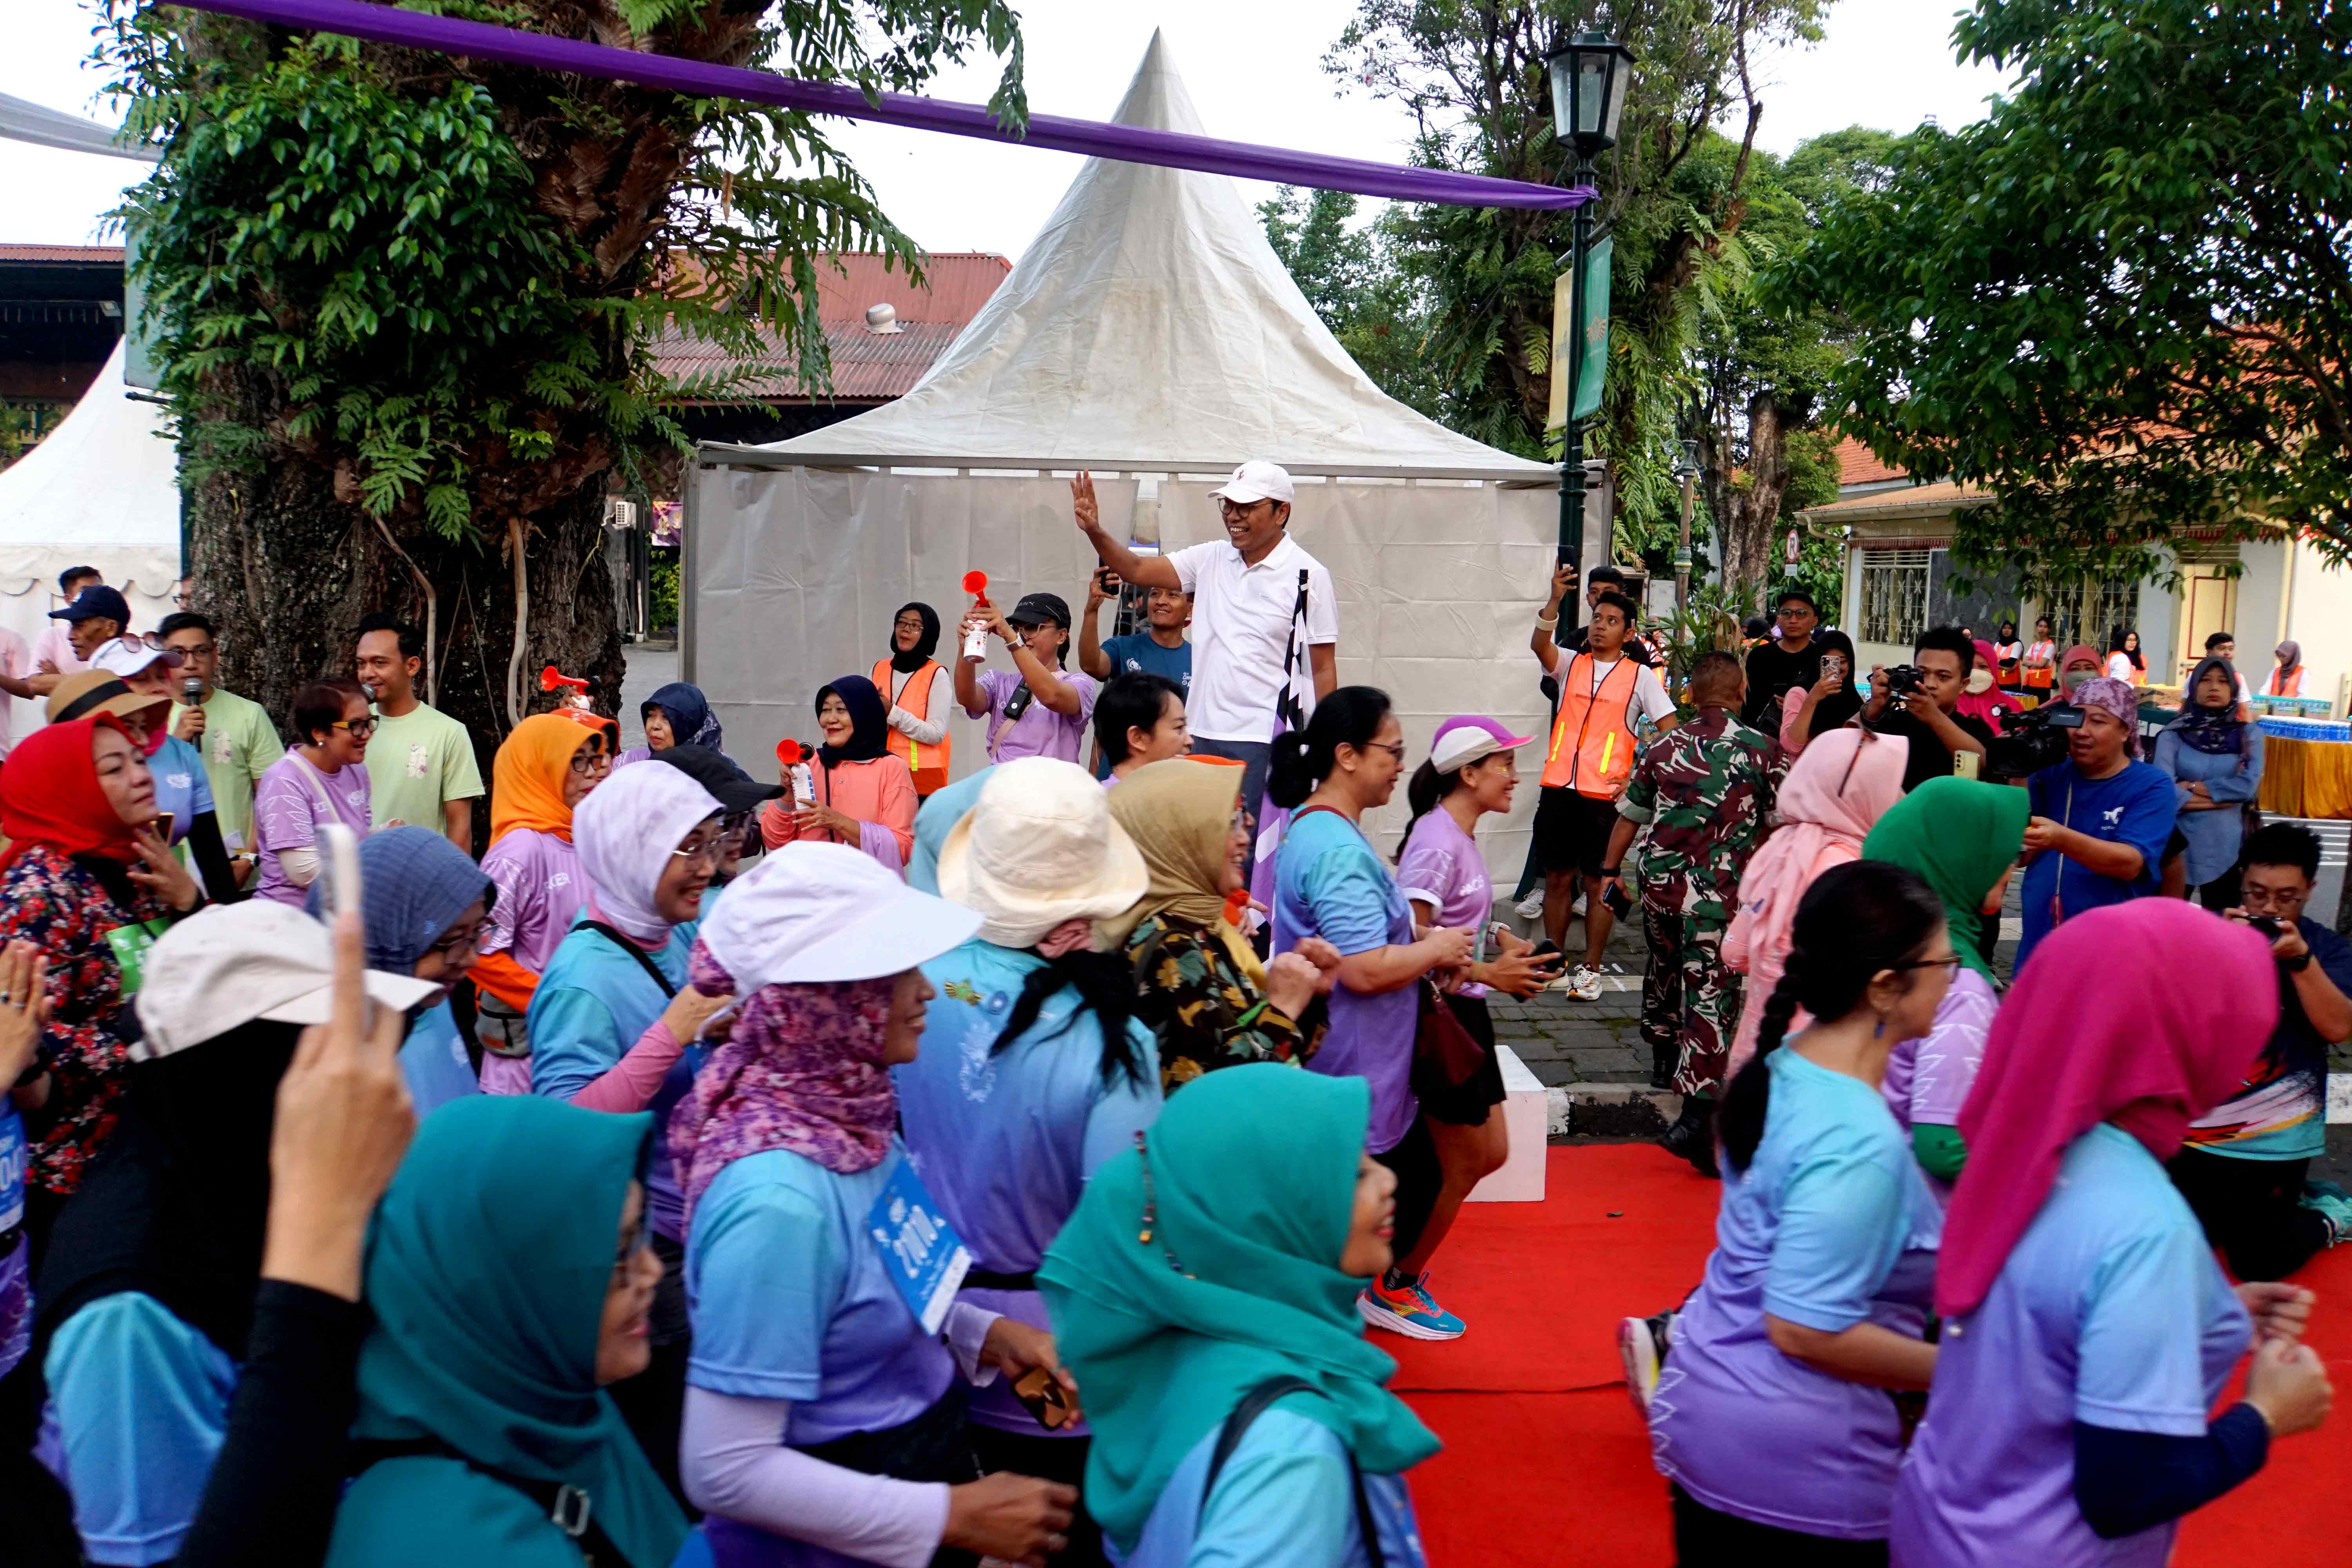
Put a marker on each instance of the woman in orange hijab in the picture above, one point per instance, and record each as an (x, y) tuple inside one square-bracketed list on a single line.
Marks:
[(546, 767)]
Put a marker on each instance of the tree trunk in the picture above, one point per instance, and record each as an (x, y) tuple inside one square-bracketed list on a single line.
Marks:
[(288, 570), (1749, 511)]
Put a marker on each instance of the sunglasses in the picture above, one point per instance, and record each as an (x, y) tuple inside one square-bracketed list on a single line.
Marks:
[(592, 761), (360, 729)]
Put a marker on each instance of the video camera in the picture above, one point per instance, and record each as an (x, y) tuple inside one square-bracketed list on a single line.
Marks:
[(2030, 742)]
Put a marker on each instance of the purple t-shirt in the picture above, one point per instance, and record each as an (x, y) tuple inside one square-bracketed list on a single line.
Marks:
[(1039, 731), (289, 803), (1329, 883), (541, 888), (1928, 1078), (1830, 1225), (2109, 1311), (1442, 866)]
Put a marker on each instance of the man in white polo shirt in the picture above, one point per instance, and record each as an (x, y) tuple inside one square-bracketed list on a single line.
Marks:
[(1245, 598)]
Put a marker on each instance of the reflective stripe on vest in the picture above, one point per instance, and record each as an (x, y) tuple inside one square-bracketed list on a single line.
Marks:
[(1592, 749), (928, 763)]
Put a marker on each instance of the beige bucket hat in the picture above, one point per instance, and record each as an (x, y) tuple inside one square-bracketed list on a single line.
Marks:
[(1040, 848)]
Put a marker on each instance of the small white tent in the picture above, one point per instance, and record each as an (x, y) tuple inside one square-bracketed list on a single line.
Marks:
[(102, 490), (1150, 335)]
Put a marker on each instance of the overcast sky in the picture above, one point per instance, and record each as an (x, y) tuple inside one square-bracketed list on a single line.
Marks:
[(1254, 69)]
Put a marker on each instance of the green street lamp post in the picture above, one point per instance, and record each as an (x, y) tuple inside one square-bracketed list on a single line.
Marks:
[(1588, 94)]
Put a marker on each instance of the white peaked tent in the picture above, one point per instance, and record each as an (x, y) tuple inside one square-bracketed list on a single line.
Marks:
[(1150, 334), (102, 490)]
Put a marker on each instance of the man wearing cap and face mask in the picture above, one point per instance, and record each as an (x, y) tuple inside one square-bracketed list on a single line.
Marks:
[(1036, 709), (1245, 600)]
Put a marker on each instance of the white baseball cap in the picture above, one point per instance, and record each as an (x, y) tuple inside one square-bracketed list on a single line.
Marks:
[(1464, 739), (1258, 480), (229, 965), (128, 656), (810, 912)]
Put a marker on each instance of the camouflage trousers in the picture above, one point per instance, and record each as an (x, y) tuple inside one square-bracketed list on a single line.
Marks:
[(1690, 1000)]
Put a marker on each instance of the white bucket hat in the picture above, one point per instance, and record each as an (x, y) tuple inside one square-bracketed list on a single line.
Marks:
[(1040, 848), (810, 912), (229, 965)]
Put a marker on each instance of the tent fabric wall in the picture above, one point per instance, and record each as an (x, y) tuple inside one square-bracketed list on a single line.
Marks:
[(102, 490), (793, 574)]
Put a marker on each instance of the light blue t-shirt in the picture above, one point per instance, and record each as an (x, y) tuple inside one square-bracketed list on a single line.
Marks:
[(433, 1062), (2109, 1311), (182, 785), (140, 1403), (791, 1299), (593, 1000), (1330, 882), (1830, 1225), (940, 811), (1284, 1499), (1005, 1143)]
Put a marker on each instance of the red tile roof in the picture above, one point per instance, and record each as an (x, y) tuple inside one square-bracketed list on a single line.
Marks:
[(60, 253), (1858, 465), (867, 367)]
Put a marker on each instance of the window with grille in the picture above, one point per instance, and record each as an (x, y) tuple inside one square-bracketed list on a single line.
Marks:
[(1894, 595), (2090, 612)]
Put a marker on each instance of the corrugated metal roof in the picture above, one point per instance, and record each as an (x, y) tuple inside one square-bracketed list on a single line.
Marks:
[(60, 253)]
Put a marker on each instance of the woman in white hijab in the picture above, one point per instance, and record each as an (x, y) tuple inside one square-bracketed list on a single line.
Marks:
[(614, 1022)]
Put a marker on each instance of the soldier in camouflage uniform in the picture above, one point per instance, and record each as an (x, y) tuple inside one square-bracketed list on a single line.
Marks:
[(1698, 800)]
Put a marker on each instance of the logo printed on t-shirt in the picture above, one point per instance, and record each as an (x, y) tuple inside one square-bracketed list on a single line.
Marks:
[(220, 745), (2111, 818), (419, 761)]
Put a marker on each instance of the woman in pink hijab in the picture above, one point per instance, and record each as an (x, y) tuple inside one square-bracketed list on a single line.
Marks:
[(2087, 1330), (1984, 700), (1837, 790)]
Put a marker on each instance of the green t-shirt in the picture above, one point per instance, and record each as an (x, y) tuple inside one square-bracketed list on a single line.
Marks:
[(416, 763), (239, 742)]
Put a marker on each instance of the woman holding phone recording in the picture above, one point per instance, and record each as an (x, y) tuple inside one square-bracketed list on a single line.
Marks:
[(1807, 712)]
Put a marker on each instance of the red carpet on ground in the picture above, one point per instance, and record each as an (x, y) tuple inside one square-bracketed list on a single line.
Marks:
[(1546, 1464)]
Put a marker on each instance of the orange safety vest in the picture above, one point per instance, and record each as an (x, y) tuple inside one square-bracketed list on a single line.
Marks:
[(1592, 749), (929, 766)]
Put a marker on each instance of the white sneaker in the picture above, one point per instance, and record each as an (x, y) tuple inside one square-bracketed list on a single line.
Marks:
[(1531, 906), (1585, 986), (1575, 910)]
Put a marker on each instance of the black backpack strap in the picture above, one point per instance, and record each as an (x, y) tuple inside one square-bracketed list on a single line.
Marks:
[(569, 1508), (1254, 1404), (634, 950)]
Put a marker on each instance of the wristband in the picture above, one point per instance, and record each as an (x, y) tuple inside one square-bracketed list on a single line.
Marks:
[(1608, 871), (1544, 620), (2297, 965)]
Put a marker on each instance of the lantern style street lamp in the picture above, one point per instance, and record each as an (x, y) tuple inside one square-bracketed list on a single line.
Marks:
[(1588, 94)]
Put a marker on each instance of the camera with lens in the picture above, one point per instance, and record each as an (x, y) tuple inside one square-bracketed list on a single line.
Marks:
[(1902, 681), (2030, 742)]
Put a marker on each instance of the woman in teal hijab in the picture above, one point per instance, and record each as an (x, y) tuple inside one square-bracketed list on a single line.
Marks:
[(1962, 837), (1224, 1253), (509, 1280)]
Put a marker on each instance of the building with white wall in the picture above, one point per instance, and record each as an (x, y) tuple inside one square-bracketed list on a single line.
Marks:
[(1899, 580)]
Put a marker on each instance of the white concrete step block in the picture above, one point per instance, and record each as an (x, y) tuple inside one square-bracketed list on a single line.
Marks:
[(1521, 1179)]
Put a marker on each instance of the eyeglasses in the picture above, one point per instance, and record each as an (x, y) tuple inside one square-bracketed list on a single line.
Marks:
[(708, 848), (590, 762), (171, 656), (1393, 748), (1949, 961), (360, 729), (456, 943)]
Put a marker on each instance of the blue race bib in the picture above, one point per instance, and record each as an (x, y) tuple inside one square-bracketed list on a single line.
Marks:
[(924, 1258)]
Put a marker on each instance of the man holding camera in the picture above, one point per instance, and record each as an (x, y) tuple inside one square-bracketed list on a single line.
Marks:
[(2241, 1168), (1924, 692), (1793, 660), (2101, 818)]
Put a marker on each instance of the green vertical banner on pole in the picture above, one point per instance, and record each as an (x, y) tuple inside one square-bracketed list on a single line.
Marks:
[(1593, 364)]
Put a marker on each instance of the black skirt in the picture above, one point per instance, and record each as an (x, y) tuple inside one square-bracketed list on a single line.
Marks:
[(1465, 1104)]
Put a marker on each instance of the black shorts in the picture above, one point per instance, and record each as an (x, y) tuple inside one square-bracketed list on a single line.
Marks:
[(1572, 831)]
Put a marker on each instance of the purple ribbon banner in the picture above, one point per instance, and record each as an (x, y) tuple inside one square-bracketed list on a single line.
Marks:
[(1128, 143)]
